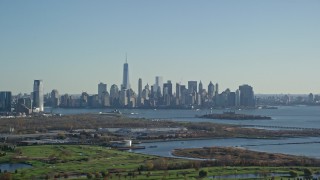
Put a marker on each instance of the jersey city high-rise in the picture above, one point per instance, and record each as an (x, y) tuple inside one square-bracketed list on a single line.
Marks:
[(38, 95)]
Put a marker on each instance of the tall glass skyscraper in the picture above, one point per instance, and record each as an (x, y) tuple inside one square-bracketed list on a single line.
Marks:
[(5, 101), (38, 95), (125, 81), (158, 85)]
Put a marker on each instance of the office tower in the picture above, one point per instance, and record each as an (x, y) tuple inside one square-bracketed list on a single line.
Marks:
[(84, 99), (105, 101), (178, 94), (146, 92), (152, 92), (192, 86), (55, 99), (139, 100), (310, 98), (102, 88), (123, 99), (132, 98), (184, 93), (183, 89), (217, 89), (93, 101), (211, 90), (5, 101), (167, 93), (168, 86), (114, 95), (114, 91), (125, 81), (231, 102), (139, 87), (158, 85), (237, 103), (38, 95), (178, 91), (200, 87), (198, 99), (24, 105), (246, 96)]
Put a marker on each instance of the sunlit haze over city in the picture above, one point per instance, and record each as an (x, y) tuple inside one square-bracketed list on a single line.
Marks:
[(159, 89), (74, 45)]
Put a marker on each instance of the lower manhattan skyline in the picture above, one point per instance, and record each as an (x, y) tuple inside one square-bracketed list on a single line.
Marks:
[(74, 46)]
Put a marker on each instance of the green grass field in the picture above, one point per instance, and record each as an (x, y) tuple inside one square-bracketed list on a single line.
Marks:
[(83, 162)]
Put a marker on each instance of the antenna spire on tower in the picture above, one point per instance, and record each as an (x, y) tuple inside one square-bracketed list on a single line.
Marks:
[(126, 58)]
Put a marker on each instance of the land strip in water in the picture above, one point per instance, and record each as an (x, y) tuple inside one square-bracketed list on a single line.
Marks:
[(235, 156), (95, 128)]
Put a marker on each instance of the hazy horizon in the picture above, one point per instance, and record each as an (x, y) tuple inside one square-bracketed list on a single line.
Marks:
[(74, 45)]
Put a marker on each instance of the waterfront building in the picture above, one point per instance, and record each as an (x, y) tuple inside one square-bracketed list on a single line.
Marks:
[(125, 80), (310, 98), (178, 94), (38, 96), (152, 92), (24, 105), (84, 100), (192, 86), (199, 99), (64, 100), (211, 90), (231, 99), (146, 92), (246, 96), (200, 87), (132, 98), (123, 99), (139, 92), (158, 86), (105, 101), (139, 87), (184, 93), (168, 85), (190, 99), (178, 91), (102, 89), (167, 93), (145, 95), (114, 95), (93, 101), (237, 101), (5, 101), (217, 89), (55, 99)]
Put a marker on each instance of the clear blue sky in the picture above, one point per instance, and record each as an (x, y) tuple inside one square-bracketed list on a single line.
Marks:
[(273, 45)]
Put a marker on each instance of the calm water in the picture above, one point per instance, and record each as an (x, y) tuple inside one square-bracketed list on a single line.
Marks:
[(285, 116), (295, 146), (248, 176), (12, 167)]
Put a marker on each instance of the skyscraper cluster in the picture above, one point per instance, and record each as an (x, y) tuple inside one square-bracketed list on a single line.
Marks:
[(160, 94), (25, 104)]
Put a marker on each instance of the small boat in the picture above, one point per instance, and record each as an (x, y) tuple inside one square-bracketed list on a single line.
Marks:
[(114, 112)]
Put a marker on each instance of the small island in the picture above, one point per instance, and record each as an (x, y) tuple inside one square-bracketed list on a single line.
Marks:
[(234, 116), (238, 156)]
